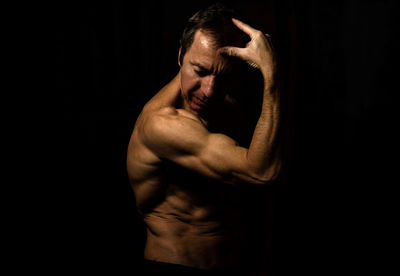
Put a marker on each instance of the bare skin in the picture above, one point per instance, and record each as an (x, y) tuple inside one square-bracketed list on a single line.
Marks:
[(185, 161)]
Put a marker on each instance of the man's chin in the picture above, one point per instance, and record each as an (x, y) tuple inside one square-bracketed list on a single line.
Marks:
[(197, 108)]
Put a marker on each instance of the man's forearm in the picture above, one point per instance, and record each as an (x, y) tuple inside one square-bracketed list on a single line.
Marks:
[(262, 154)]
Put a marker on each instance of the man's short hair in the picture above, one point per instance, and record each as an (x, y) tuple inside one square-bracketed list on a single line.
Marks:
[(215, 20)]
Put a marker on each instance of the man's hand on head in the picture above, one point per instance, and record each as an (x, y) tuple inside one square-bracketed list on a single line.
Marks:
[(258, 52)]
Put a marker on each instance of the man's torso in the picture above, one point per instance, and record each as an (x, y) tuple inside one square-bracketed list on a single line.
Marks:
[(191, 220)]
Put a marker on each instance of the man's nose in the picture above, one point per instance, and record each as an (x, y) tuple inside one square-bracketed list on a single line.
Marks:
[(207, 86)]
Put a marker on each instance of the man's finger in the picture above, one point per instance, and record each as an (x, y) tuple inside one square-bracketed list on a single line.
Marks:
[(244, 27), (231, 51)]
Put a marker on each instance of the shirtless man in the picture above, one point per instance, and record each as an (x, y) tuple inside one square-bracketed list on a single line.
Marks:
[(184, 160)]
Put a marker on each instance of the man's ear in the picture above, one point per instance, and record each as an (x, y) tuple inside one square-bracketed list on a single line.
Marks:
[(179, 56)]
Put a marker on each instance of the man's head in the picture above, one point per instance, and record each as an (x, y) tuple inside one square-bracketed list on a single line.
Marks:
[(204, 72), (216, 20)]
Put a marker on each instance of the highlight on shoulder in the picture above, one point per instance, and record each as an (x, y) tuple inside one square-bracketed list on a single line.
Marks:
[(167, 110)]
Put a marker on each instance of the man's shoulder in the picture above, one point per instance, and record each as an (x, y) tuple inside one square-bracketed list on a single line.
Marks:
[(166, 110), (170, 131), (151, 115), (165, 116), (160, 123)]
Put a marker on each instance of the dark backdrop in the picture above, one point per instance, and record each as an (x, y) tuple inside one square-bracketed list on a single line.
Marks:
[(339, 77)]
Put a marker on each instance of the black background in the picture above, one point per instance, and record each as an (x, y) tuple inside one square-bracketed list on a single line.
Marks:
[(338, 62)]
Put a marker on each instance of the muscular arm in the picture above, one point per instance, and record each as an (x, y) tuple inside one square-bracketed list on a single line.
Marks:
[(187, 142)]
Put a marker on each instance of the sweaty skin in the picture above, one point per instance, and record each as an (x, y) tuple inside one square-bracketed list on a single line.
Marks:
[(185, 161)]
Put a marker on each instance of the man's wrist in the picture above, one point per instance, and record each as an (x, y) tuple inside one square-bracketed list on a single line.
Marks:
[(269, 79)]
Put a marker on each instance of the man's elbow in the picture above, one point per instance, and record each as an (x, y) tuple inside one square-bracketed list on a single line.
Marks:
[(270, 175), (267, 177)]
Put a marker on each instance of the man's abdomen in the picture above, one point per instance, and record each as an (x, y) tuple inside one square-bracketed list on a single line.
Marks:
[(203, 237)]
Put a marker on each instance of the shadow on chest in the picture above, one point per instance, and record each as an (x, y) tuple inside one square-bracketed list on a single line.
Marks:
[(198, 189)]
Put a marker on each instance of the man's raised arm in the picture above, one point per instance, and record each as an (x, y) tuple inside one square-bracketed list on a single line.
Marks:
[(263, 155)]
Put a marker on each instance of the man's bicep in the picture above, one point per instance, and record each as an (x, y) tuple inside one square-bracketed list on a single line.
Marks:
[(224, 156), (222, 159)]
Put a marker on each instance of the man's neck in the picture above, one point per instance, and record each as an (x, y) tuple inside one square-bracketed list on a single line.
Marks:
[(203, 118)]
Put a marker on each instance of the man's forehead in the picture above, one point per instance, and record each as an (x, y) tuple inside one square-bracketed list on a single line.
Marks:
[(204, 45), (204, 52), (205, 40)]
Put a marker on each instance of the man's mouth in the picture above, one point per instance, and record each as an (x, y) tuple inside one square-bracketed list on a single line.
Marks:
[(199, 101), (200, 104)]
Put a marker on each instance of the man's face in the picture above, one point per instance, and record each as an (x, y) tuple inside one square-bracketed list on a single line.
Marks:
[(206, 76)]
